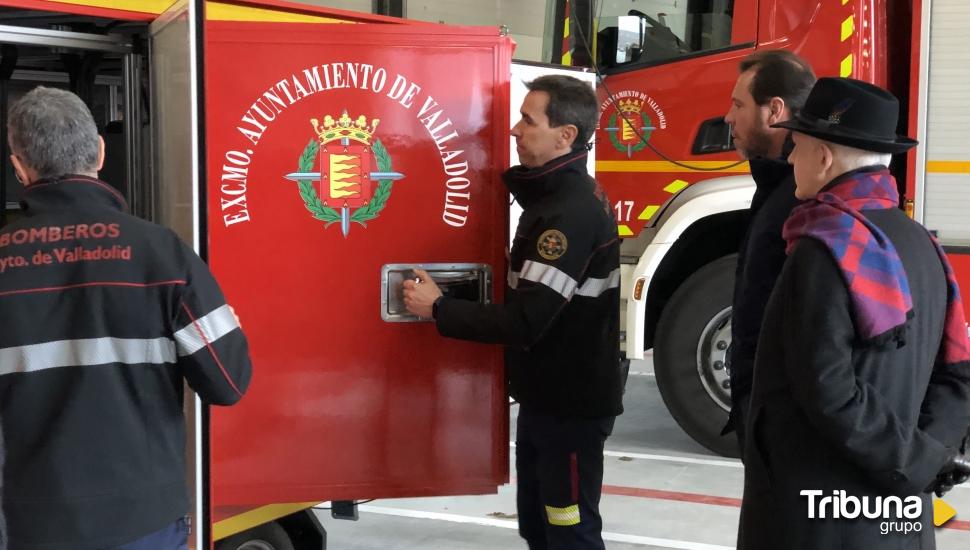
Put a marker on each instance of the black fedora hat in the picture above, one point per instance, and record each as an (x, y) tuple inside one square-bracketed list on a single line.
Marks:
[(851, 112)]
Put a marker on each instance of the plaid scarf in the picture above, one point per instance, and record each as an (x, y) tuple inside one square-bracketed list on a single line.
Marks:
[(870, 265)]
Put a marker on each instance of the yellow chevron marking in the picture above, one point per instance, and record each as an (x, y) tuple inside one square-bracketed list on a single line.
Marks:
[(848, 27), (218, 11), (846, 69), (648, 212), (624, 231), (676, 186), (144, 6), (664, 166), (258, 516)]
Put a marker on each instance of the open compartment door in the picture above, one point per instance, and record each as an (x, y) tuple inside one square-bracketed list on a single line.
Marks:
[(174, 195), (334, 151)]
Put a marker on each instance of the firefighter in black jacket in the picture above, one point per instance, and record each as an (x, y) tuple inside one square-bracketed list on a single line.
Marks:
[(104, 316), (559, 323)]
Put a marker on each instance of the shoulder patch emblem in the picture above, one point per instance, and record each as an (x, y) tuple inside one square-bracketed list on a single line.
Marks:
[(552, 244)]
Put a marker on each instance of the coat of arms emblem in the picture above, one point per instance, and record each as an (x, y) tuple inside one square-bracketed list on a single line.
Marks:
[(629, 127), (347, 153)]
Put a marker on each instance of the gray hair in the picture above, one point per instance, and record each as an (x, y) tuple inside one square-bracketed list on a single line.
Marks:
[(571, 101), (854, 158), (53, 132)]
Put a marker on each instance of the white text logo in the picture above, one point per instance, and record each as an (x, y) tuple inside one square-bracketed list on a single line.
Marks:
[(906, 512)]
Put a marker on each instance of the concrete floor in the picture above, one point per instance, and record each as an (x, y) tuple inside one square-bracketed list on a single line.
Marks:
[(656, 485)]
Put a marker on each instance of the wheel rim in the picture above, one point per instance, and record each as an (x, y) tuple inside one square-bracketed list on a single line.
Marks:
[(256, 545), (712, 358)]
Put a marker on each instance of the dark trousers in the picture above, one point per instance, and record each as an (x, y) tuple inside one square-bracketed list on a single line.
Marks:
[(174, 536), (559, 465)]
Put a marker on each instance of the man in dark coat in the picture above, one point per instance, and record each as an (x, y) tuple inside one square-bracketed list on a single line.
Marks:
[(772, 87), (105, 318), (861, 390)]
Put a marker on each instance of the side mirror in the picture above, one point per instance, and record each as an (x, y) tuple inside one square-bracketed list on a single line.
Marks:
[(606, 51)]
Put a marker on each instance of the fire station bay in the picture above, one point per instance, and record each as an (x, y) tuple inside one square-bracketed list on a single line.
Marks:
[(484, 274)]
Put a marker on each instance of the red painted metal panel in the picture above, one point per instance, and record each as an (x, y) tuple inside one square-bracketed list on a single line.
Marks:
[(744, 24), (344, 405), (961, 267), (914, 98)]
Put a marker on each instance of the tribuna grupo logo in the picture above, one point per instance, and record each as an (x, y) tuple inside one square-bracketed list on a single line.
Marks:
[(899, 515)]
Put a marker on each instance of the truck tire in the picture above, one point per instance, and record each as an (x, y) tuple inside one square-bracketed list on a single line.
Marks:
[(693, 334), (268, 536)]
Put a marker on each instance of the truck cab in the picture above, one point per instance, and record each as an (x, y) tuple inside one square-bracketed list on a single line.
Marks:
[(680, 192)]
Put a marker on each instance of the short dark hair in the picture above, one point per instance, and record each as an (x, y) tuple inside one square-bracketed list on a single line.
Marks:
[(779, 73), (571, 101)]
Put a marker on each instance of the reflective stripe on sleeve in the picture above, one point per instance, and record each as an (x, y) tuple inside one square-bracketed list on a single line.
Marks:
[(594, 287), (205, 330), (549, 276), (86, 352), (562, 283), (563, 517)]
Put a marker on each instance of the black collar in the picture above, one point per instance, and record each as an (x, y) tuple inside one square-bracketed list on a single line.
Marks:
[(70, 190), (528, 185), (768, 172)]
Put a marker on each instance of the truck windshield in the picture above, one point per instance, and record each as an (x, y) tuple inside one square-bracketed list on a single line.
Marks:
[(658, 30)]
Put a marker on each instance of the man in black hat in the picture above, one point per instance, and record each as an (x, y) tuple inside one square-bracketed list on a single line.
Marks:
[(861, 391)]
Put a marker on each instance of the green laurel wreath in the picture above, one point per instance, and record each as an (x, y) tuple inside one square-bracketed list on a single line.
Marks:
[(330, 215), (644, 119)]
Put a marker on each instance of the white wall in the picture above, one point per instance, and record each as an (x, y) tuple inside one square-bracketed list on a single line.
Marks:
[(456, 12), (525, 18), (649, 7), (948, 119)]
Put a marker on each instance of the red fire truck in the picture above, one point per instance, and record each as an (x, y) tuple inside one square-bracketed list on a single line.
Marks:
[(312, 162), (666, 159), (312, 157)]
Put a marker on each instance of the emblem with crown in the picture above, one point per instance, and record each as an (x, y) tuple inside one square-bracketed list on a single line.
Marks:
[(627, 121), (346, 149), (344, 127)]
